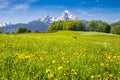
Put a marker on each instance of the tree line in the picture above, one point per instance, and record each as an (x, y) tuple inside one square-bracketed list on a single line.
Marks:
[(78, 25), (67, 25), (93, 25)]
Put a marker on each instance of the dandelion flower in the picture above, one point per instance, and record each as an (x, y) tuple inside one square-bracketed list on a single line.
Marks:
[(55, 79), (41, 58), (114, 57), (60, 68), (50, 75), (53, 61), (102, 64), (65, 74), (99, 76), (48, 71), (92, 77), (73, 70), (63, 58), (111, 75), (75, 73)]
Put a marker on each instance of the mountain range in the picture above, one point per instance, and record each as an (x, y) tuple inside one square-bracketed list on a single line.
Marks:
[(41, 24), (66, 15)]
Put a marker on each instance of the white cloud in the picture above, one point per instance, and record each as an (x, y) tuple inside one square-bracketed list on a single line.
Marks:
[(15, 5), (104, 14), (20, 7), (83, 13), (23, 6), (7, 12), (4, 4)]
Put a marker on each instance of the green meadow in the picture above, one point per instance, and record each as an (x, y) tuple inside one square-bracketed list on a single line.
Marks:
[(62, 55)]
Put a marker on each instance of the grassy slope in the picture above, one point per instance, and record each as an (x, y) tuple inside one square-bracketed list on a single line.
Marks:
[(90, 55)]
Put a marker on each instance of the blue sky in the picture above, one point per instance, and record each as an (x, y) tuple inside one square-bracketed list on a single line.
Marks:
[(17, 11)]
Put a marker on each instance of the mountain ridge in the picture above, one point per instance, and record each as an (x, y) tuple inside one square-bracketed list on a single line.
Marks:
[(66, 15)]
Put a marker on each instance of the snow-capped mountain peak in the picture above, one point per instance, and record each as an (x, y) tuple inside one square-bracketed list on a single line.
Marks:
[(4, 24), (67, 15), (47, 19)]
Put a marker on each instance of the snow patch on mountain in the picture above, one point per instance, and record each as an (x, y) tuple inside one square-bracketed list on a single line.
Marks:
[(47, 19), (4, 24), (67, 15)]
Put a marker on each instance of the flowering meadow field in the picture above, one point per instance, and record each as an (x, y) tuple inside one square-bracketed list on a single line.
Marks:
[(63, 55)]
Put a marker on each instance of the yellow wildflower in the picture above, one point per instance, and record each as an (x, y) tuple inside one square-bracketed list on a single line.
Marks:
[(108, 56), (102, 64), (60, 68), (76, 53), (50, 75), (107, 64), (74, 72), (26, 57), (48, 71), (63, 58), (114, 57), (41, 58), (53, 61), (92, 77), (65, 74), (110, 75), (118, 56), (99, 76), (67, 61)]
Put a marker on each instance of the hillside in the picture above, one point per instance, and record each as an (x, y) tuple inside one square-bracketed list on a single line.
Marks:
[(116, 23), (62, 55)]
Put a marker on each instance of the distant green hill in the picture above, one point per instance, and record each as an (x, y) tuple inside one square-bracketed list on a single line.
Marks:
[(116, 24)]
